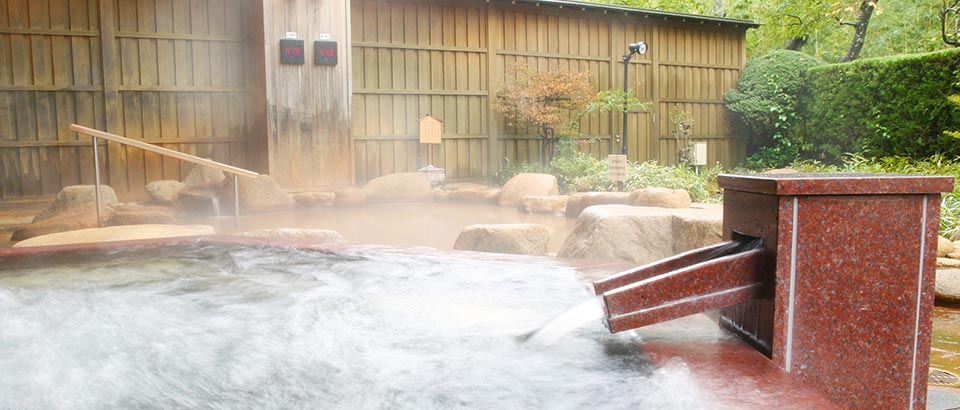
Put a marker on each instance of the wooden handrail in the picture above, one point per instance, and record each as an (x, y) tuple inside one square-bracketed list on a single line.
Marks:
[(163, 151)]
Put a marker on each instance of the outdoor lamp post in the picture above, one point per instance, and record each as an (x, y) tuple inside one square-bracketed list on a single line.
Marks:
[(639, 47)]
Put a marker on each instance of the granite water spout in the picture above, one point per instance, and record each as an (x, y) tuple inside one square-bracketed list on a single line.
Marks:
[(707, 278), (836, 288)]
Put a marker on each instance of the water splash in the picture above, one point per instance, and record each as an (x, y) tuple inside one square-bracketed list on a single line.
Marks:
[(586, 312), (241, 327), (215, 206)]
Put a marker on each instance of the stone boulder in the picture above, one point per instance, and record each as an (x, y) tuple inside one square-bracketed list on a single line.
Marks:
[(76, 196), (458, 186), (550, 204), (517, 239), (947, 286), (296, 234), (117, 233), (308, 199), (71, 219), (257, 194), (407, 186), (944, 247), (660, 197), (165, 192), (525, 184), (205, 177), (350, 197), (134, 214), (582, 200), (201, 202), (780, 171), (641, 235), (948, 263), (479, 195)]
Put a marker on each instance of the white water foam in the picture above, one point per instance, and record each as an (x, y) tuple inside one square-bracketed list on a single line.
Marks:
[(586, 312)]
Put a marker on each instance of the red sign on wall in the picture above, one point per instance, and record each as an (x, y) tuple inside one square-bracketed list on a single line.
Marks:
[(325, 52), (291, 51)]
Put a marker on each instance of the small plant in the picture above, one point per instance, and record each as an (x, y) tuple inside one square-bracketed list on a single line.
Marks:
[(682, 128)]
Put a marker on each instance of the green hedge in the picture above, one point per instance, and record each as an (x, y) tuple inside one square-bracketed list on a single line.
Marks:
[(882, 107)]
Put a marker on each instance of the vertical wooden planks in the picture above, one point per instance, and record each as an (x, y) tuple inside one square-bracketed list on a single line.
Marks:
[(428, 59)]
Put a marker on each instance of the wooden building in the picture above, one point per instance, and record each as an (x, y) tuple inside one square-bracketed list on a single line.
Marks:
[(205, 77)]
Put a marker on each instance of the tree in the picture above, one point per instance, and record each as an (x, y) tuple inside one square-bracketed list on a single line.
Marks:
[(859, 30), (950, 12), (550, 101), (822, 28)]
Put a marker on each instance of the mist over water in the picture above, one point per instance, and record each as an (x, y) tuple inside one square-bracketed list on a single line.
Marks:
[(242, 327)]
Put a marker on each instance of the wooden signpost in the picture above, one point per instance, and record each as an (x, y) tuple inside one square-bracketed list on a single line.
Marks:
[(617, 169), (431, 130)]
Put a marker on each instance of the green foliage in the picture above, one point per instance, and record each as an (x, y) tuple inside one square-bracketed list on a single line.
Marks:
[(897, 27), (701, 186), (934, 165), (767, 101), (580, 172), (882, 107), (616, 101), (570, 164)]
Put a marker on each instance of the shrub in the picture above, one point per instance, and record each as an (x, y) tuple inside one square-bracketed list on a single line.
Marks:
[(702, 186), (570, 164), (579, 172), (767, 101), (893, 106)]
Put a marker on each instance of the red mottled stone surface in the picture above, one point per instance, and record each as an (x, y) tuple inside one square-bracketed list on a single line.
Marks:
[(735, 376), (652, 269), (861, 309), (847, 315), (708, 285), (843, 293), (836, 184)]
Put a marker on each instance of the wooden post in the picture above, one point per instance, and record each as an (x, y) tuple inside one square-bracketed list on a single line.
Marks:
[(111, 98), (494, 77), (655, 95)]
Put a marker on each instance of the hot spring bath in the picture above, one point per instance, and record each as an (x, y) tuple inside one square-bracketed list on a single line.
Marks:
[(247, 326)]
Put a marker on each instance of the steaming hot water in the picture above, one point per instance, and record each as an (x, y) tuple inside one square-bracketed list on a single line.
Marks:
[(239, 326)]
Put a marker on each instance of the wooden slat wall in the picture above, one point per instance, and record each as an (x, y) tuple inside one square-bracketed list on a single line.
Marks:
[(49, 77), (696, 68), (692, 65), (413, 59), (308, 112), (169, 72)]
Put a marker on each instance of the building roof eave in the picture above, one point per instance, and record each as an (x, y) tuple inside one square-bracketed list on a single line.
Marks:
[(669, 15)]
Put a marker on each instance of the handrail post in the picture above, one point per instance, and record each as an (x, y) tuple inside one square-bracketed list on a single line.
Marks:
[(236, 201), (94, 134), (96, 178)]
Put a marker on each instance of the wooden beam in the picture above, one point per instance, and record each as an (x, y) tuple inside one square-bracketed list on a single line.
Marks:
[(163, 151)]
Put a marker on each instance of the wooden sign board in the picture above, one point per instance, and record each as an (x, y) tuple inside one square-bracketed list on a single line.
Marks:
[(617, 165), (430, 130)]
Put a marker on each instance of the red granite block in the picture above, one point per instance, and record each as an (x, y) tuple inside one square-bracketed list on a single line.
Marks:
[(853, 259)]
